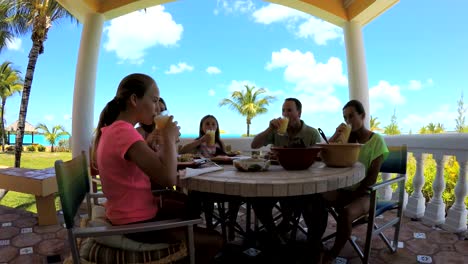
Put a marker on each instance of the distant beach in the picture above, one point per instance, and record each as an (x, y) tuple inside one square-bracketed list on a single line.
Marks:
[(40, 139)]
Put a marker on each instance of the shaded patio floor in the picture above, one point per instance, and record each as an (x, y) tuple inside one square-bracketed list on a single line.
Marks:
[(23, 241)]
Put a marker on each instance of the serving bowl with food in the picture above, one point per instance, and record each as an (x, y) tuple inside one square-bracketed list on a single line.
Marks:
[(340, 154), (251, 165), (296, 158)]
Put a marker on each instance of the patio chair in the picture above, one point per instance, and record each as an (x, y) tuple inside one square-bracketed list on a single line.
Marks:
[(73, 184), (395, 163)]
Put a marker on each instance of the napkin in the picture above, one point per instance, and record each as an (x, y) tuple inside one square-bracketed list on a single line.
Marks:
[(189, 172)]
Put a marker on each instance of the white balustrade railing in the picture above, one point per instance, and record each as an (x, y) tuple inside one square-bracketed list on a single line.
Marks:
[(440, 146)]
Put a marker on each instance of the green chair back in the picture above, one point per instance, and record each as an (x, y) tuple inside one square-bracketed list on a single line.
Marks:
[(396, 160), (73, 185)]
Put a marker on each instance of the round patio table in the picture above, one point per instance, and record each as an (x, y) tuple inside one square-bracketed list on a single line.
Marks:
[(276, 181)]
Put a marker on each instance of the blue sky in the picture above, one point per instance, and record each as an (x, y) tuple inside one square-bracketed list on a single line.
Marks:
[(201, 51)]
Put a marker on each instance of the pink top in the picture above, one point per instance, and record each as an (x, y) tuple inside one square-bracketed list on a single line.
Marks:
[(126, 187)]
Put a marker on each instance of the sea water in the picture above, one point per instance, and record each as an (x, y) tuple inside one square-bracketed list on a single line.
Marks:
[(40, 139)]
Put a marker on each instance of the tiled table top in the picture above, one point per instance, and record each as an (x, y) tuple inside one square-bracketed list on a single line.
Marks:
[(276, 182)]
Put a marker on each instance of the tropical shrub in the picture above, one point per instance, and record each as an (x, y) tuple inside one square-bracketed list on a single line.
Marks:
[(63, 145), (41, 148), (31, 148), (451, 172)]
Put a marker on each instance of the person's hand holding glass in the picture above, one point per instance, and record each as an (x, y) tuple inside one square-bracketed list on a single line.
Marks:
[(280, 125), (166, 130)]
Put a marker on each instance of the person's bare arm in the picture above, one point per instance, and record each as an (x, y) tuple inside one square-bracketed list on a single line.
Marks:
[(340, 129), (160, 166), (259, 139), (372, 173), (192, 146)]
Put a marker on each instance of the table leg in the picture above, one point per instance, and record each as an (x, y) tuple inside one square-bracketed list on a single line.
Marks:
[(46, 213)]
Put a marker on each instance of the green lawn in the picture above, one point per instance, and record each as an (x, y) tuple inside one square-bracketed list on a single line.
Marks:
[(34, 160)]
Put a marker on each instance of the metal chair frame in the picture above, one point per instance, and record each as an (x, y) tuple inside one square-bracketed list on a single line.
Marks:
[(73, 184)]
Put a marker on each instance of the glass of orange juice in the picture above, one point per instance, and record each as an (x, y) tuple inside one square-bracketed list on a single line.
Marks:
[(161, 119), (283, 126), (211, 141)]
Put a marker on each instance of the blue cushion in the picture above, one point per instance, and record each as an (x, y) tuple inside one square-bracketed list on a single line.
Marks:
[(383, 206)]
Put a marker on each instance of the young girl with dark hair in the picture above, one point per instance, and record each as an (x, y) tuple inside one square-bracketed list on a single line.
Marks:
[(145, 130), (127, 165), (200, 144)]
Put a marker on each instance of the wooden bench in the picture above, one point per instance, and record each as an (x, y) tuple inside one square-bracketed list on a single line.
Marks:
[(41, 183)]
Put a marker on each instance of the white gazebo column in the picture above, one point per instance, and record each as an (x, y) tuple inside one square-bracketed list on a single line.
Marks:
[(416, 202), (85, 83), (435, 209), (456, 215), (356, 61)]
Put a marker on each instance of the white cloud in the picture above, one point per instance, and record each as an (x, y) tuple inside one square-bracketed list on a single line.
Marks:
[(239, 85), (154, 68), (302, 68), (277, 13), (317, 81), (211, 92), (318, 30), (414, 85), (131, 35), (385, 94), (14, 44), (441, 115), (67, 117), (49, 117), (179, 68), (302, 24), (213, 70), (230, 6)]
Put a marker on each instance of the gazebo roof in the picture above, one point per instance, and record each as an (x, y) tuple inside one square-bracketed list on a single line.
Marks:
[(334, 11), (27, 127)]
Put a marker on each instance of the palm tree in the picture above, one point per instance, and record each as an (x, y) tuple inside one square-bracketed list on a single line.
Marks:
[(52, 136), (36, 16), (7, 23), (248, 103), (10, 82), (392, 128), (374, 124), (432, 128)]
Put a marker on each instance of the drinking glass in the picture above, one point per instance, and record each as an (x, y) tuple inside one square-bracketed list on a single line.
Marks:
[(161, 119), (283, 126)]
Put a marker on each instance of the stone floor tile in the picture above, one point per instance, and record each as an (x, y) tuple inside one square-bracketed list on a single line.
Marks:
[(30, 259), (62, 234), (422, 246), (9, 217), (9, 232), (25, 222), (441, 235), (50, 247), (418, 227), (461, 247), (402, 256), (48, 236), (47, 229), (449, 257), (26, 240), (8, 253)]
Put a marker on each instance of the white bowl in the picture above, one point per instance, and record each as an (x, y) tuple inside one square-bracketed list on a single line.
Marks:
[(251, 164)]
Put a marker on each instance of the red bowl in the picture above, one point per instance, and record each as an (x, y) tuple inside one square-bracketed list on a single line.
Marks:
[(296, 158)]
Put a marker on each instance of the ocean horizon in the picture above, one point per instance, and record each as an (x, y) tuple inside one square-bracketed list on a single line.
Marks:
[(40, 139)]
